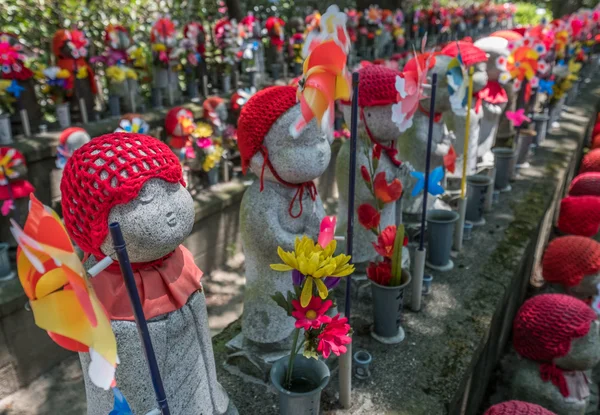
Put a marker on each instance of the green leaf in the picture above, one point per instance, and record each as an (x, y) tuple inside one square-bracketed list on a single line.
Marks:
[(283, 302), (397, 257)]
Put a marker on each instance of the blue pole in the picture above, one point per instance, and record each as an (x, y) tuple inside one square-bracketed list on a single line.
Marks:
[(428, 159), (140, 319), (351, 185)]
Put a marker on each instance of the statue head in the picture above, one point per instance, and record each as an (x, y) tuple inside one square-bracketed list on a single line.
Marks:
[(471, 56), (73, 138), (117, 37), (70, 44), (194, 32), (432, 63), (497, 52), (579, 215), (266, 145), (573, 263), (132, 179)]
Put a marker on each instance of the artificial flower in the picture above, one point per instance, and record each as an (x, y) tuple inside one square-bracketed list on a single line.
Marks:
[(204, 142), (365, 174), (334, 337), (82, 73), (115, 74), (203, 130), (313, 315), (368, 216), (380, 272), (63, 74), (376, 151), (326, 230), (131, 74), (212, 159), (450, 160), (384, 192), (385, 242), (159, 47)]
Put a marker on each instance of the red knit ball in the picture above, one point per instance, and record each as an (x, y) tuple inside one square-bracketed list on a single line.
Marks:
[(377, 86), (258, 116), (546, 325), (586, 184), (517, 408), (579, 215), (90, 191), (570, 258), (470, 53), (590, 162)]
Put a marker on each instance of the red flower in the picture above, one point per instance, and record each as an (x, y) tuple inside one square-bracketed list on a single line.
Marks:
[(385, 242), (334, 337), (385, 192), (368, 216), (450, 160), (380, 273), (376, 151), (313, 315), (365, 174)]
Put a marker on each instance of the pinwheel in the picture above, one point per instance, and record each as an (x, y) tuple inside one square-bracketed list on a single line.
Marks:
[(409, 94), (435, 178), (135, 125), (121, 406), (522, 64), (15, 89), (517, 117), (546, 87), (456, 74), (60, 295)]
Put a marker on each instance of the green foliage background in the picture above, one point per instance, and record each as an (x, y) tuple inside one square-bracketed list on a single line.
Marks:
[(527, 13)]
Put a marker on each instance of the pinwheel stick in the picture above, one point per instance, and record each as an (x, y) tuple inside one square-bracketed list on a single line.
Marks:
[(346, 358), (140, 319)]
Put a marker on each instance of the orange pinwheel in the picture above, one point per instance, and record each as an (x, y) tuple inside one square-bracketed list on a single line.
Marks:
[(522, 63), (60, 296)]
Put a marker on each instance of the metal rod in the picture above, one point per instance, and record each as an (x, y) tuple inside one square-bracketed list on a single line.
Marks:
[(140, 319)]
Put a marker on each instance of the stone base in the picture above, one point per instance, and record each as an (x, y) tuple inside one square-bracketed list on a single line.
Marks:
[(448, 267), (398, 338), (249, 360)]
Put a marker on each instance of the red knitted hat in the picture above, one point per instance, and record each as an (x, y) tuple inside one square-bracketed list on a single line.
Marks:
[(64, 136), (546, 325), (517, 408), (258, 116), (470, 54), (579, 215), (90, 191), (596, 141), (590, 162), (377, 86), (172, 120), (570, 258), (586, 184)]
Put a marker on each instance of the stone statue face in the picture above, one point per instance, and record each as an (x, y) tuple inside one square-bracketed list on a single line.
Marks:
[(155, 222), (495, 47), (585, 351), (480, 76), (221, 111), (442, 95), (296, 160), (77, 139), (379, 121), (587, 288)]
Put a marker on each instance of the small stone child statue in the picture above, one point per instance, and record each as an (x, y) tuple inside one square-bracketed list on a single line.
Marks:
[(279, 207), (558, 340), (136, 180)]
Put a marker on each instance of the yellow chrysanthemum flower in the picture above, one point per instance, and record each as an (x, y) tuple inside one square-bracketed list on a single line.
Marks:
[(315, 263), (82, 73), (131, 74), (159, 47), (203, 130), (115, 74), (4, 84), (63, 74)]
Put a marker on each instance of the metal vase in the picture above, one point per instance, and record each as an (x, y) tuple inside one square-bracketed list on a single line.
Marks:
[(477, 188), (313, 371), (440, 231), (226, 83), (5, 129), (388, 303), (114, 106), (526, 138), (504, 158), (63, 115), (541, 127)]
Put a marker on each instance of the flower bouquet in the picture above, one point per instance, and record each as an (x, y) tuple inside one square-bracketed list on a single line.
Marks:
[(315, 271), (58, 84)]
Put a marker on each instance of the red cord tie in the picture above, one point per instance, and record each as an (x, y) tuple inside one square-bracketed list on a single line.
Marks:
[(390, 151), (310, 186), (549, 372)]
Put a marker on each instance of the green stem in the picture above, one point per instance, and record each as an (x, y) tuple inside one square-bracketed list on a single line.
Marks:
[(288, 377)]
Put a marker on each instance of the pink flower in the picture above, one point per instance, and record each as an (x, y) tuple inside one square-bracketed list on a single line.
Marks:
[(334, 337), (327, 230), (313, 315), (204, 142)]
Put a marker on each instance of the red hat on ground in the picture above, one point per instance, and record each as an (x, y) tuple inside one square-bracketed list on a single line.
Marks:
[(470, 53), (590, 162), (586, 184), (90, 190), (579, 215), (517, 408), (258, 116), (544, 328), (568, 259)]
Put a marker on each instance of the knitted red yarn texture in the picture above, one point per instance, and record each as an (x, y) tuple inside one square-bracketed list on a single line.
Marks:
[(258, 116), (568, 259), (65, 134), (590, 162), (517, 408), (596, 141), (110, 170), (377, 86), (579, 215), (470, 53), (586, 184)]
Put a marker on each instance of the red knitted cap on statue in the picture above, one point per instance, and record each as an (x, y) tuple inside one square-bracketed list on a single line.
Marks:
[(65, 134), (568, 259), (470, 53), (377, 86), (579, 215), (546, 325), (258, 116), (517, 408), (110, 170), (590, 162), (586, 184)]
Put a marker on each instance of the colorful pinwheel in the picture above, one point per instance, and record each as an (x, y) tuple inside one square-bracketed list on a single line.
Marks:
[(435, 178), (409, 94), (522, 64), (517, 117), (456, 75)]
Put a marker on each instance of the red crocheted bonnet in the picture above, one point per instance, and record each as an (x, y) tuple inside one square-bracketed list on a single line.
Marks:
[(590, 162), (64, 136), (579, 215), (172, 118), (470, 53), (376, 86), (568, 259), (258, 116), (517, 408), (586, 184), (90, 190), (546, 325)]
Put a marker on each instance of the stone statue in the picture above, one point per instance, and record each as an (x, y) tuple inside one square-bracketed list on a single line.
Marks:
[(136, 180), (70, 140), (163, 38), (413, 145), (456, 120), (194, 45), (572, 265), (279, 207), (494, 97), (558, 340), (376, 96)]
